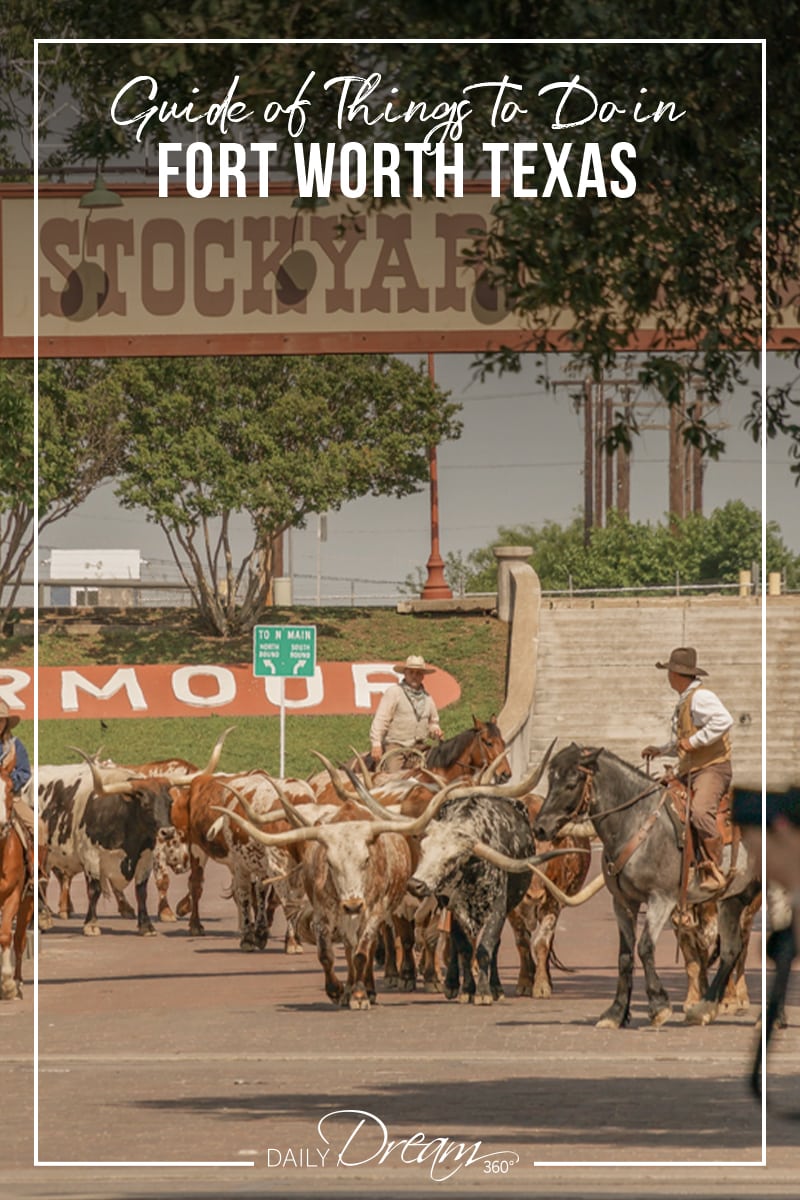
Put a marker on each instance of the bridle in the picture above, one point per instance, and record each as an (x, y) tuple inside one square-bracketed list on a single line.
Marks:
[(587, 796), (614, 867)]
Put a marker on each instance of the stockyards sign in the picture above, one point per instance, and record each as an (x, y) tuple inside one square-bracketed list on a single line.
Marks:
[(180, 691), (250, 275), (244, 275)]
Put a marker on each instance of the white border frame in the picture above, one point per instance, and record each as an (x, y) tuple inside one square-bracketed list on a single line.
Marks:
[(414, 41)]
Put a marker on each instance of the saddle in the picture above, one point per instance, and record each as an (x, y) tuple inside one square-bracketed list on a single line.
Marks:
[(678, 797)]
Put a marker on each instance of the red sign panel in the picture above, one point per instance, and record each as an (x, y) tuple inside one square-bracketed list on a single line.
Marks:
[(194, 690)]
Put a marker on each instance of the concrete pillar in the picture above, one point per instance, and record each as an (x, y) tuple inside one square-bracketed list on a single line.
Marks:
[(774, 583), (506, 556), (745, 582)]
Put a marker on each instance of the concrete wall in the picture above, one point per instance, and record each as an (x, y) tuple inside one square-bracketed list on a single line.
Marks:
[(596, 682)]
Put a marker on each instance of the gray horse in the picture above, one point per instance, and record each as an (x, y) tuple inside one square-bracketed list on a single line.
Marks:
[(641, 865)]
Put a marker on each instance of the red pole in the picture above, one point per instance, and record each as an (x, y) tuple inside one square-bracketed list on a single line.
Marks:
[(435, 585)]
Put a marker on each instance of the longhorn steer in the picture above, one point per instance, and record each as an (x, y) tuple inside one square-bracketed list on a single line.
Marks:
[(196, 816), (478, 894), (355, 873), (473, 823), (535, 917), (105, 824)]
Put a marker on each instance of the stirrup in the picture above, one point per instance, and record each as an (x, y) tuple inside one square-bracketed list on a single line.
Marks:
[(710, 877)]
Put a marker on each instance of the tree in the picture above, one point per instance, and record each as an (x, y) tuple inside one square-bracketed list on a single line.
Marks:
[(16, 479), (79, 446), (694, 550), (273, 438)]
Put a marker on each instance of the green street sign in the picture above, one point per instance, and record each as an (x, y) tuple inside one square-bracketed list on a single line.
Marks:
[(284, 650)]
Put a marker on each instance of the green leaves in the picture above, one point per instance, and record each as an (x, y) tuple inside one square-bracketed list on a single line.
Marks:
[(276, 439), (694, 550)]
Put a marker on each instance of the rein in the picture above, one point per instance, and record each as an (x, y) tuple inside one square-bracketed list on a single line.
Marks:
[(588, 796), (642, 833)]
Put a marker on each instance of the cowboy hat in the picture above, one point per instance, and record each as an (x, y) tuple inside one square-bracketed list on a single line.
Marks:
[(414, 662), (683, 661), (5, 715)]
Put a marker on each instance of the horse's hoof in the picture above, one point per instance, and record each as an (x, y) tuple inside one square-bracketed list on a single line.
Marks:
[(126, 911), (483, 999), (166, 914), (359, 1003), (450, 993), (408, 985), (523, 989), (292, 947), (247, 947), (607, 1023), (464, 998), (45, 922), (184, 907), (92, 930), (702, 1013), (197, 930), (19, 991), (391, 984), (146, 931), (8, 991), (658, 1019), (431, 986)]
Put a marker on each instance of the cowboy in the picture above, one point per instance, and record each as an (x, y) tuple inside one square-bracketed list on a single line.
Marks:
[(21, 771), (405, 718), (701, 727)]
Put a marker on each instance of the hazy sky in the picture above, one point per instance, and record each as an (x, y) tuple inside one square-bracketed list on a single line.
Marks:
[(519, 460)]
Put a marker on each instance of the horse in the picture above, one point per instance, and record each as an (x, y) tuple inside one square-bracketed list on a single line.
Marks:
[(471, 752), (16, 891), (642, 864)]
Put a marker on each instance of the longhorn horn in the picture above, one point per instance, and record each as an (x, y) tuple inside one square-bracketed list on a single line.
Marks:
[(100, 787), (519, 864), (398, 822), (523, 864), (249, 811), (420, 823), (579, 898), (295, 816), (217, 751), (366, 797), (344, 796), (289, 838), (365, 771), (528, 784)]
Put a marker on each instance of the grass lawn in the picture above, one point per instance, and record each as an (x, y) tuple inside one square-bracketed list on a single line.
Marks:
[(472, 648)]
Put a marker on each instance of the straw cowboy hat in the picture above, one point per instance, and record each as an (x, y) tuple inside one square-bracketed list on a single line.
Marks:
[(5, 715), (414, 662), (683, 661)]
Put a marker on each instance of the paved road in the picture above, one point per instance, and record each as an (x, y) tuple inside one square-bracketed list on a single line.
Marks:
[(183, 1050)]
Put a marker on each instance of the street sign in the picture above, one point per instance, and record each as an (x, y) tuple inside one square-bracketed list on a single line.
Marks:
[(283, 651)]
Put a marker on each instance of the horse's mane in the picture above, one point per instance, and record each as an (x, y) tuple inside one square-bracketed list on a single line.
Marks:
[(444, 754), (622, 762)]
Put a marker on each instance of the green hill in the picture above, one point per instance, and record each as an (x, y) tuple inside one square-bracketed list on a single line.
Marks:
[(470, 647)]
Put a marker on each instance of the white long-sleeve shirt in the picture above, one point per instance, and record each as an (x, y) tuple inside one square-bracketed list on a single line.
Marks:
[(397, 723), (709, 714)]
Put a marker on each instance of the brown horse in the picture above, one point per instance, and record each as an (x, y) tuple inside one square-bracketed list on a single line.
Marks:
[(16, 890), (470, 752)]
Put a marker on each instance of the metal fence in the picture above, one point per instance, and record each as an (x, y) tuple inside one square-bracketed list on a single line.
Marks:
[(308, 591)]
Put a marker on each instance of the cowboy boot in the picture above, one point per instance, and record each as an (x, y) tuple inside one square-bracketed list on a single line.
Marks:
[(709, 867)]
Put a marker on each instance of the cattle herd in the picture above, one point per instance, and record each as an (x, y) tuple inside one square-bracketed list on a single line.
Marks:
[(414, 873)]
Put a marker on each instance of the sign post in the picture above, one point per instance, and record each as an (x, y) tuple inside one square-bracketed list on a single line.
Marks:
[(281, 651)]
